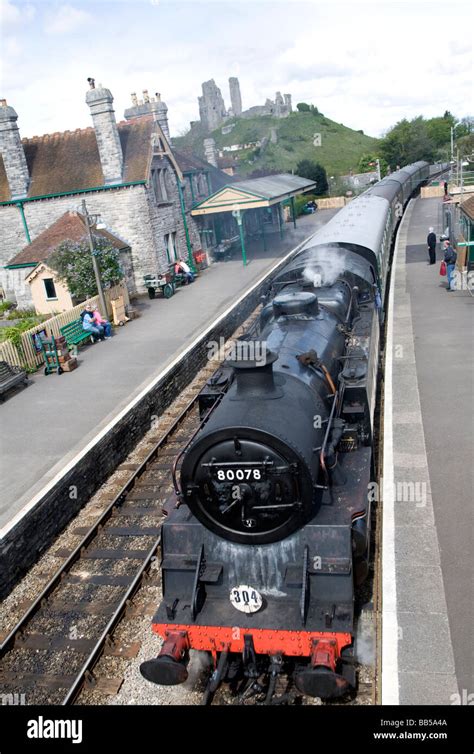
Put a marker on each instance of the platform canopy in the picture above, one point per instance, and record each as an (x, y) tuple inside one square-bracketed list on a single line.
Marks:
[(254, 193)]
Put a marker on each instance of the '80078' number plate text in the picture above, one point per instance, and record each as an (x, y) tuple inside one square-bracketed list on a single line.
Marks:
[(239, 475)]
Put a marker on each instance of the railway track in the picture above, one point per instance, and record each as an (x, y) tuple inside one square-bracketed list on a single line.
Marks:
[(46, 655)]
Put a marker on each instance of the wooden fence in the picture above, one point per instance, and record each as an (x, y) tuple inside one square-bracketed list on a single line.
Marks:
[(28, 356), (332, 202), (427, 192)]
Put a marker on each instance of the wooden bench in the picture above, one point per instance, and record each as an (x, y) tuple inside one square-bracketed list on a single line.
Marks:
[(11, 376), (75, 334)]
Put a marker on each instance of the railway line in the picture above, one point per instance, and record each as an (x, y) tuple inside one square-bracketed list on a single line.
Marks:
[(127, 531)]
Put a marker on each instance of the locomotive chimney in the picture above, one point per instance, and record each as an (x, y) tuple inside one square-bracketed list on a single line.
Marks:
[(253, 368), (296, 303)]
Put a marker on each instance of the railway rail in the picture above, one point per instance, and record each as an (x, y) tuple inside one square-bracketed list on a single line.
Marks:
[(133, 517)]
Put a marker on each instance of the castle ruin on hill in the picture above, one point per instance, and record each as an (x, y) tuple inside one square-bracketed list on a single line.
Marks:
[(213, 112)]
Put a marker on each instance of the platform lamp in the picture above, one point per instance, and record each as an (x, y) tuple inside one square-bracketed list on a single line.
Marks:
[(453, 128), (91, 220)]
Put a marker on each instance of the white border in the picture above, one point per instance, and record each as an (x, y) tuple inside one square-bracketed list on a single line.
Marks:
[(31, 504)]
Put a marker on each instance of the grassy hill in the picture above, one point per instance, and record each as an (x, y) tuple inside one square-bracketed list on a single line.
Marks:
[(340, 150)]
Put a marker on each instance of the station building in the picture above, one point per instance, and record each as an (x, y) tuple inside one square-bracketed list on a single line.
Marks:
[(128, 174)]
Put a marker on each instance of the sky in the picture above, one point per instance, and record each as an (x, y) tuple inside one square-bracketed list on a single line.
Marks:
[(367, 65)]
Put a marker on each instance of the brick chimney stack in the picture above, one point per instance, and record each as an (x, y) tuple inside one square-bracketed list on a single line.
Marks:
[(106, 132), (12, 152), (210, 151)]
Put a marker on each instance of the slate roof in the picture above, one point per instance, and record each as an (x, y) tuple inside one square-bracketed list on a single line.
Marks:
[(190, 163), (70, 226), (274, 186), (69, 161)]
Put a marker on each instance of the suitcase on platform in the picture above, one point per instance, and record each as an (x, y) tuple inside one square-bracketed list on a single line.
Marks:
[(70, 364)]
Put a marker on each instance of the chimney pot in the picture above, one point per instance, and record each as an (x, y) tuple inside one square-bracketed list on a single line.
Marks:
[(91, 83)]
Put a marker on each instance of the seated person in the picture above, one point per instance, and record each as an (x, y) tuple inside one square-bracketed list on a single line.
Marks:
[(184, 268), (88, 324), (99, 321)]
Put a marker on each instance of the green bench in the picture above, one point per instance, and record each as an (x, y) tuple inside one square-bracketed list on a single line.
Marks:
[(11, 376), (74, 333)]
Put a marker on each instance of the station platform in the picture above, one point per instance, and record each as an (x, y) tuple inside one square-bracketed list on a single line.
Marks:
[(428, 485), (49, 423)]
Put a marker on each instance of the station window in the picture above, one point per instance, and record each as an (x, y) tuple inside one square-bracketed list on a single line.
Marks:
[(50, 288), (170, 244), (159, 185), (201, 182), (268, 216)]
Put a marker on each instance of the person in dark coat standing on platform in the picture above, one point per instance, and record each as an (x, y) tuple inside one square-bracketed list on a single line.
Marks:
[(450, 257), (431, 241)]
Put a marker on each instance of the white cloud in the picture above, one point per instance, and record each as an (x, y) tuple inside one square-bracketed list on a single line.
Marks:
[(12, 15), (366, 68), (66, 19), (12, 47)]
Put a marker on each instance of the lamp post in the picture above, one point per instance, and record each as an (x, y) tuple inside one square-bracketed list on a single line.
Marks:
[(452, 138), (238, 216), (379, 174), (90, 221)]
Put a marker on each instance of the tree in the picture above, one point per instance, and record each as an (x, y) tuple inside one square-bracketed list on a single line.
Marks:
[(439, 130), (447, 116), (303, 107), (407, 142), (72, 261), (314, 172)]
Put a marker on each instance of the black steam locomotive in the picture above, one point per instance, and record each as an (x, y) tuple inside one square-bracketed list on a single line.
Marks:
[(271, 530)]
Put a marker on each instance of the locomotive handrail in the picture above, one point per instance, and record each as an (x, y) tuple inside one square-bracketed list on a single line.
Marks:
[(326, 436), (176, 487)]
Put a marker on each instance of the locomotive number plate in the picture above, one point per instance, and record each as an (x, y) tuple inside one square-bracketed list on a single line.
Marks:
[(238, 475), (246, 599)]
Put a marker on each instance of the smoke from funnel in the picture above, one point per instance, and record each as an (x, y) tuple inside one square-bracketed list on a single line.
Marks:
[(325, 273)]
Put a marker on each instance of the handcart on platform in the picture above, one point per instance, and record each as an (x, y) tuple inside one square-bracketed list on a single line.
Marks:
[(50, 355)]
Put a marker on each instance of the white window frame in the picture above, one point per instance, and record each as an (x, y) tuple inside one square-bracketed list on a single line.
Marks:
[(50, 298)]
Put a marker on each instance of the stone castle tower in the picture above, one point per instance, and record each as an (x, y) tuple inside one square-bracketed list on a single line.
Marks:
[(235, 98), (211, 106)]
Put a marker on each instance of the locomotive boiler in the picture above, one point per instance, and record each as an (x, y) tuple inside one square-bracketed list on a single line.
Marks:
[(271, 530)]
